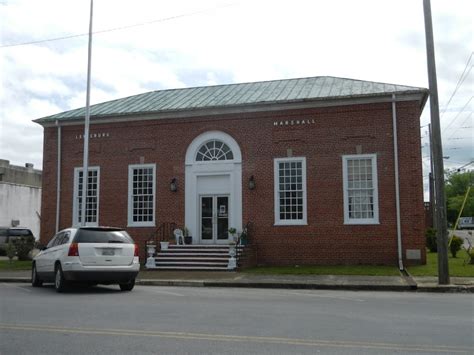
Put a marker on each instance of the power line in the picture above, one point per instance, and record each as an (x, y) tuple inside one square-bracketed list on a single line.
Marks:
[(463, 122), (115, 28), (462, 110), (461, 126), (458, 85)]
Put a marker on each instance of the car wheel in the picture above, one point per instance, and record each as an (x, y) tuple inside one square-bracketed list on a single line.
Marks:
[(60, 283), (128, 286), (35, 280)]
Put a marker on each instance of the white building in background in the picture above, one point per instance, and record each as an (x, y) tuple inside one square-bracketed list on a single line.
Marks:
[(20, 196)]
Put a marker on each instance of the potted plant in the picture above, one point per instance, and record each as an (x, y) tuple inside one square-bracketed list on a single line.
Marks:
[(244, 238), (164, 244), (188, 239), (233, 232)]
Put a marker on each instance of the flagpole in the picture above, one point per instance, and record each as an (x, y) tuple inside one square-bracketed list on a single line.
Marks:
[(85, 169)]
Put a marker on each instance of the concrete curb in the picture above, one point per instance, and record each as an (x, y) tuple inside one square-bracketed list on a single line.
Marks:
[(446, 288), (15, 279), (181, 283), (308, 286), (434, 288)]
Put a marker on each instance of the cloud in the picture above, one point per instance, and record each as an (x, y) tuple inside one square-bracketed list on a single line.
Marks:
[(236, 41)]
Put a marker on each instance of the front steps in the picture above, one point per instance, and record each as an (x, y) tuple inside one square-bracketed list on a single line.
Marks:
[(193, 257)]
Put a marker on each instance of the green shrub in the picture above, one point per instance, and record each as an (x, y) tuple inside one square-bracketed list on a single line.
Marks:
[(431, 241), (455, 245), (11, 251), (3, 251), (23, 247), (471, 255)]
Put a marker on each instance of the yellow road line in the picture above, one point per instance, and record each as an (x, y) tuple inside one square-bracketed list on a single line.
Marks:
[(238, 338)]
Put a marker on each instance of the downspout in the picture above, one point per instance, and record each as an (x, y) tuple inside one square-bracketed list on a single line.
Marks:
[(397, 183), (58, 178)]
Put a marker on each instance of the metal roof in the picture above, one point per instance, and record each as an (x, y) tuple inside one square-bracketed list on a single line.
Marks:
[(238, 95)]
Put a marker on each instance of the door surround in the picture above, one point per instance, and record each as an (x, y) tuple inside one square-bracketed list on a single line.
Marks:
[(195, 170)]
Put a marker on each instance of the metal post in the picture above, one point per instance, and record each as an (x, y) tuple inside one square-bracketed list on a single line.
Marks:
[(441, 222), (397, 183), (85, 169), (58, 178)]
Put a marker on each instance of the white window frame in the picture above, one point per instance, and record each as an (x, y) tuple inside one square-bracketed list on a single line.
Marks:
[(131, 168), (214, 161), (276, 175), (75, 197), (375, 218)]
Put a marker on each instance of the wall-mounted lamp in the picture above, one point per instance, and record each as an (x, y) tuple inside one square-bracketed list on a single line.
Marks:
[(173, 186), (251, 183)]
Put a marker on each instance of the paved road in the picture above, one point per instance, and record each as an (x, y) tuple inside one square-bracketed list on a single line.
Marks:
[(180, 320)]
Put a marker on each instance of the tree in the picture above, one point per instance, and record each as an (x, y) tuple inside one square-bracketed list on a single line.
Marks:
[(456, 185)]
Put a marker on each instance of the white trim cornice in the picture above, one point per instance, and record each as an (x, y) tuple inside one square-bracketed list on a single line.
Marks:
[(223, 111)]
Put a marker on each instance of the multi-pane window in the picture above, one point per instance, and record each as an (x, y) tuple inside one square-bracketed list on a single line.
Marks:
[(214, 150), (290, 191), (141, 195), (360, 189), (92, 196)]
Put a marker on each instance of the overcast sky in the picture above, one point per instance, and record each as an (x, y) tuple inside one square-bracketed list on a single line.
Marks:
[(193, 43)]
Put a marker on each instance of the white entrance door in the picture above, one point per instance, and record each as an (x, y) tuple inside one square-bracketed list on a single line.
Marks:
[(214, 219)]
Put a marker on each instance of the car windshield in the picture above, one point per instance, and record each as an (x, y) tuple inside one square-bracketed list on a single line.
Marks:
[(102, 236), (20, 232)]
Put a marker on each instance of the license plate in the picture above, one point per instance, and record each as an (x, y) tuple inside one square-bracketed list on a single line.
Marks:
[(108, 252)]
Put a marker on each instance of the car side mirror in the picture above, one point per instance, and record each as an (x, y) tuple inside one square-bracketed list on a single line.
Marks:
[(42, 247)]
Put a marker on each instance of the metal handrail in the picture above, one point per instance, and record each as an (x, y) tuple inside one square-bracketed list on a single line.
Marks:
[(163, 233), (239, 247)]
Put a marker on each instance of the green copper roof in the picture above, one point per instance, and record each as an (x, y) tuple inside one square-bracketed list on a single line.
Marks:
[(237, 95)]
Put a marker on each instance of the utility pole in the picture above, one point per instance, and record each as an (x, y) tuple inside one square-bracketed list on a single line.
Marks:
[(438, 164), (85, 169), (432, 181)]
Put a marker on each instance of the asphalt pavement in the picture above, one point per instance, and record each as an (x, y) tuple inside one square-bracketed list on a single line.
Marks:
[(192, 320)]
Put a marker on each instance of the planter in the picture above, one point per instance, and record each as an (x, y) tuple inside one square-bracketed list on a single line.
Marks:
[(164, 245), (232, 264), (151, 249), (150, 261), (188, 239)]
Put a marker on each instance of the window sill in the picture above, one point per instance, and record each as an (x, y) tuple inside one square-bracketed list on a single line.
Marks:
[(141, 225), (290, 223), (361, 223)]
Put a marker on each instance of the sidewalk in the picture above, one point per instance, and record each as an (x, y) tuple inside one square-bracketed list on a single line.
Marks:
[(326, 282)]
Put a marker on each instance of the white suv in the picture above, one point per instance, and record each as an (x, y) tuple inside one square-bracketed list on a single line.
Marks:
[(89, 255)]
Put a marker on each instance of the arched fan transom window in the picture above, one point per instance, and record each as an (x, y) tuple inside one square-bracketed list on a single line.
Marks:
[(214, 150)]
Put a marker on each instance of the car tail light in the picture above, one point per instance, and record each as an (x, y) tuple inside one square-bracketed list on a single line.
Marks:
[(136, 250), (73, 249)]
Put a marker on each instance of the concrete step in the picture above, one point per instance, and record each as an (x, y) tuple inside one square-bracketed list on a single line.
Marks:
[(188, 258), (171, 254), (193, 257), (198, 246), (194, 251), (210, 268), (192, 263)]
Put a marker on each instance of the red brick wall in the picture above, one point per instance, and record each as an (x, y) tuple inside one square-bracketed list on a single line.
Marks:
[(337, 131)]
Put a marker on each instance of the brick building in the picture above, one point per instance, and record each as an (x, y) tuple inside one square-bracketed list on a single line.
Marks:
[(309, 162), (20, 196)]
